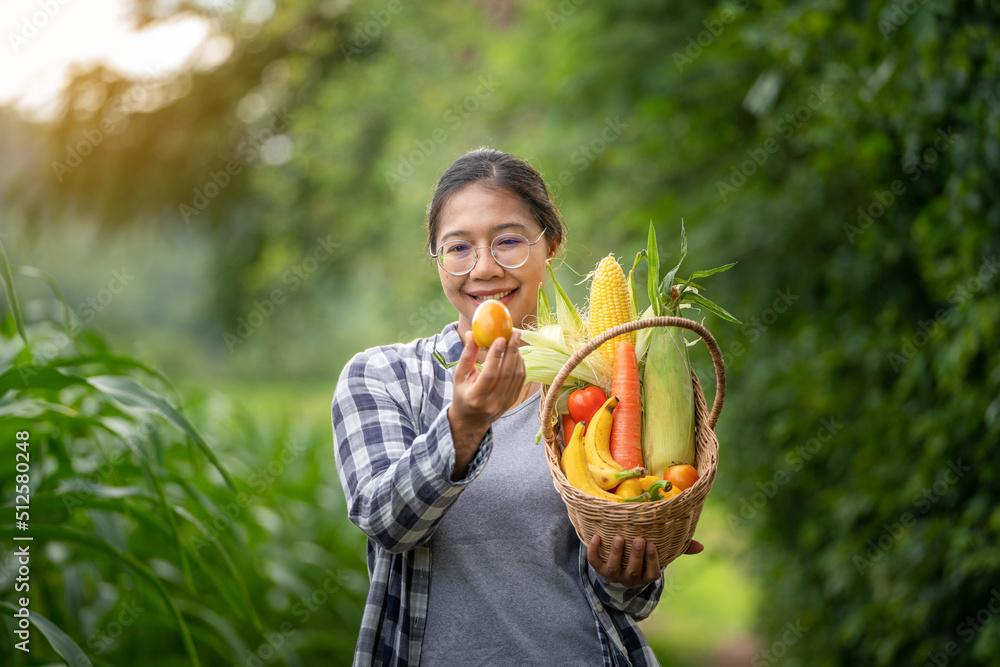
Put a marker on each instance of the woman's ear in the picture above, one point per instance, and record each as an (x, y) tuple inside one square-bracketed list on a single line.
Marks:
[(553, 247)]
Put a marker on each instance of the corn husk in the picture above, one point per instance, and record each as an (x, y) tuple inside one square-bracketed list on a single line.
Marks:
[(668, 392)]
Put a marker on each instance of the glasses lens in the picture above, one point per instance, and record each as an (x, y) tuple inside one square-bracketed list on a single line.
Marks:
[(510, 250), (457, 257)]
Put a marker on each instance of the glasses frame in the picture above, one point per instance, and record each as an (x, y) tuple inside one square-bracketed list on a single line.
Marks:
[(476, 249)]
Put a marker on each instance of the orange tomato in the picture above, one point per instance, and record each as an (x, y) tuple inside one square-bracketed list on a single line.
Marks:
[(491, 320), (682, 476)]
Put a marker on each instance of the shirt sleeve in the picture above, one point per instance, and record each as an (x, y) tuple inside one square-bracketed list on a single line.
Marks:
[(396, 479), (638, 601)]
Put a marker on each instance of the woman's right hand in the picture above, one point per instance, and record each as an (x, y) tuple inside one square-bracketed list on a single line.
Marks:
[(480, 397)]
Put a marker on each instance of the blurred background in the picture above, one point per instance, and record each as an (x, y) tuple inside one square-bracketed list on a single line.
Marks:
[(207, 207)]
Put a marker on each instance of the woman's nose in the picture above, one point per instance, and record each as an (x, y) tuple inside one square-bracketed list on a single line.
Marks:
[(486, 266)]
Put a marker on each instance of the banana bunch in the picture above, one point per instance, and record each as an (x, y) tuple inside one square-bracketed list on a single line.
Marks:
[(587, 458)]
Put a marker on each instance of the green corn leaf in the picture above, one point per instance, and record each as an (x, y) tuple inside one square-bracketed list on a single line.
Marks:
[(566, 313), (34, 408), (652, 281), (714, 308), (234, 572), (668, 280), (33, 272), (110, 363), (59, 640), (174, 532), (131, 394), (709, 272), (544, 309), (24, 376), (15, 307), (86, 539), (633, 296)]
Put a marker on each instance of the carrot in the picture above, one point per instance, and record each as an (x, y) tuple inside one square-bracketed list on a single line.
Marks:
[(626, 427), (567, 425)]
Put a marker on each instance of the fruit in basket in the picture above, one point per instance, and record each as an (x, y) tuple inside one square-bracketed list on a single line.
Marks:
[(491, 320), (682, 476), (574, 461), (626, 429), (598, 438), (609, 478), (610, 305), (584, 403)]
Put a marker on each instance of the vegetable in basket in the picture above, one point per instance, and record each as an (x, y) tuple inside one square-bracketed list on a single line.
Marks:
[(668, 430)]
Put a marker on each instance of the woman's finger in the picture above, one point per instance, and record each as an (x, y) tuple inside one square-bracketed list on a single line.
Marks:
[(633, 570), (510, 381), (491, 367), (652, 571), (467, 362)]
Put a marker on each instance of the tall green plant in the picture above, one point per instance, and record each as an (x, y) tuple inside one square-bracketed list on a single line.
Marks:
[(105, 497), (146, 549)]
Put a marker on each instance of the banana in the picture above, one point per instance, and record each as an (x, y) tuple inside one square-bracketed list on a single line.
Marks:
[(598, 439), (608, 478), (574, 460)]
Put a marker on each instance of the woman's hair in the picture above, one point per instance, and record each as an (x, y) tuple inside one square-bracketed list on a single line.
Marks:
[(496, 170)]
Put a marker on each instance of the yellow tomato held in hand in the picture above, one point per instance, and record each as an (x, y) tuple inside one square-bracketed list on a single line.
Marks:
[(491, 320), (682, 476)]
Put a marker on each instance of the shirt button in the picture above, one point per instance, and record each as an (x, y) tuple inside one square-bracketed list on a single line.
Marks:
[(599, 608)]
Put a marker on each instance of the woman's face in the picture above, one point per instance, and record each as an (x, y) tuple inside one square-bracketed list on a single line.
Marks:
[(477, 215)]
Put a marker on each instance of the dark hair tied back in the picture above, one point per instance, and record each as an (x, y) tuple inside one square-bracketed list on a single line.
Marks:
[(495, 169)]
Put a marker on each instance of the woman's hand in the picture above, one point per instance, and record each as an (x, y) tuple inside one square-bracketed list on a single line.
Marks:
[(480, 397), (643, 566)]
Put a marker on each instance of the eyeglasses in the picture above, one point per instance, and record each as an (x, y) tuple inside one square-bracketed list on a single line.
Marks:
[(510, 251)]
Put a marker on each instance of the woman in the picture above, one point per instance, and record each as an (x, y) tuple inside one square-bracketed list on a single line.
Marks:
[(472, 558)]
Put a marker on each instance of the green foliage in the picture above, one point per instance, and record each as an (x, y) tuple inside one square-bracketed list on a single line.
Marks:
[(145, 549)]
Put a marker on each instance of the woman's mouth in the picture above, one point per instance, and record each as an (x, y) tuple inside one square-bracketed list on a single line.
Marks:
[(497, 296)]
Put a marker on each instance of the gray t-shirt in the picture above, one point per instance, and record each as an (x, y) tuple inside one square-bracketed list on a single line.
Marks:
[(505, 576)]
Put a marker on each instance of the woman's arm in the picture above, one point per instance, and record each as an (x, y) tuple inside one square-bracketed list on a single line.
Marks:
[(398, 481)]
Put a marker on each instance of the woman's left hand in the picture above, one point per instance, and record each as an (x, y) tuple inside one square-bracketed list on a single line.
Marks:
[(643, 566)]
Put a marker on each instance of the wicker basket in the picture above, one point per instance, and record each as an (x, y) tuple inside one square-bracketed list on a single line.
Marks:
[(669, 523)]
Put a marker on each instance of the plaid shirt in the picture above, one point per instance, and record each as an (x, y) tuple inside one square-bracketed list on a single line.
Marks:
[(395, 455)]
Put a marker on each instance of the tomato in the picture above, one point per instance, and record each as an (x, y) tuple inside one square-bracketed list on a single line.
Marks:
[(584, 403), (491, 320), (682, 476)]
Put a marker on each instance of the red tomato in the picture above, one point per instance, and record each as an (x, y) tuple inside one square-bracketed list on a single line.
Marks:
[(584, 403), (491, 320), (682, 476)]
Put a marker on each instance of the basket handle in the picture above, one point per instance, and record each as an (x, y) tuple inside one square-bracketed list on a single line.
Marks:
[(552, 395)]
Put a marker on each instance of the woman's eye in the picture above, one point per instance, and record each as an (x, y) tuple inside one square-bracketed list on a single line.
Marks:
[(458, 248), (508, 242)]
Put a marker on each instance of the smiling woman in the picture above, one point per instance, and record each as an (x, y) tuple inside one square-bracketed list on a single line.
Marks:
[(471, 554)]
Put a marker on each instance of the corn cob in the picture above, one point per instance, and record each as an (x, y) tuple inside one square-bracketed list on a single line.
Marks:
[(610, 305), (668, 421)]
